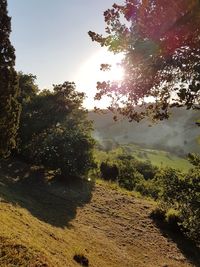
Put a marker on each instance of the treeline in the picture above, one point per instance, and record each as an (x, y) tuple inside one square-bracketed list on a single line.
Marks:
[(54, 130), (176, 192)]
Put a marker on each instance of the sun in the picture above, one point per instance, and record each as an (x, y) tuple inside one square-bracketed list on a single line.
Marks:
[(89, 74)]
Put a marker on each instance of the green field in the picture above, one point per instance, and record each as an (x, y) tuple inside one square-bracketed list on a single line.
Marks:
[(158, 158)]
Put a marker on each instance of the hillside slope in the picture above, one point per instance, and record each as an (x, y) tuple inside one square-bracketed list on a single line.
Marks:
[(46, 224)]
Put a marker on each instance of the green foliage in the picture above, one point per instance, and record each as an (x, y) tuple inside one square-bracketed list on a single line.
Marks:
[(194, 159), (181, 192), (159, 53), (189, 204), (171, 185), (129, 177), (54, 130), (149, 188), (9, 91), (28, 87), (127, 171), (48, 109), (146, 169), (61, 148)]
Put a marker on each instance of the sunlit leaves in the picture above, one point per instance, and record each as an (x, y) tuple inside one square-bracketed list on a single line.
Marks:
[(161, 45)]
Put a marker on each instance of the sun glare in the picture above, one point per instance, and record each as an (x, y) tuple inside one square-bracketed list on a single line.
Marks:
[(89, 74)]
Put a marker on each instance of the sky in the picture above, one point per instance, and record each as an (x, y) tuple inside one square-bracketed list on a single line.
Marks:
[(51, 41)]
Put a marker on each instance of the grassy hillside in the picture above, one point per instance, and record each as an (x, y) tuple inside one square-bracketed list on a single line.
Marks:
[(178, 135), (45, 224), (158, 158)]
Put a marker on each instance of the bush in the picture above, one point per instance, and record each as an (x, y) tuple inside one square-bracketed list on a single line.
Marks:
[(170, 218), (148, 188), (181, 193), (146, 169), (189, 204), (128, 175), (69, 150), (171, 185), (109, 171)]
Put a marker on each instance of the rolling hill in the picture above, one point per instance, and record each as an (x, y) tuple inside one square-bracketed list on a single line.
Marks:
[(179, 134)]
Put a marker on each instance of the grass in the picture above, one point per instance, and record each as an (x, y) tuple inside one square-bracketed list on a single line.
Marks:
[(13, 253), (114, 186), (47, 224), (158, 158)]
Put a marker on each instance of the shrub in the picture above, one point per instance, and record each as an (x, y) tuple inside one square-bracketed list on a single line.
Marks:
[(148, 188), (181, 193), (171, 186), (189, 204), (128, 175), (172, 217), (146, 169), (109, 171), (169, 219), (69, 150)]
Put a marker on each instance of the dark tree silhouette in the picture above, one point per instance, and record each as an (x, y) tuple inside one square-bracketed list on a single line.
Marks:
[(9, 106)]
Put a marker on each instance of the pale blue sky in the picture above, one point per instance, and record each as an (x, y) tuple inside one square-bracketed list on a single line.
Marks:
[(51, 40)]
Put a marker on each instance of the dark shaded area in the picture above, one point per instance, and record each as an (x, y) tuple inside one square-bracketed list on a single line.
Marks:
[(109, 171), (81, 259), (50, 201), (187, 247)]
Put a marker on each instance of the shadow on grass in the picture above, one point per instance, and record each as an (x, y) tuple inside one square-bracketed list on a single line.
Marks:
[(52, 202), (185, 245)]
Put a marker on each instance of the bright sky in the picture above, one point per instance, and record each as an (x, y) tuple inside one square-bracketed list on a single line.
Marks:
[(51, 41)]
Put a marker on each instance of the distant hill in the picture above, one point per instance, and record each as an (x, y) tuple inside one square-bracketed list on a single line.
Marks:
[(179, 134)]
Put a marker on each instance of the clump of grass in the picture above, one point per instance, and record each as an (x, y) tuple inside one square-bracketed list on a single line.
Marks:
[(170, 218)]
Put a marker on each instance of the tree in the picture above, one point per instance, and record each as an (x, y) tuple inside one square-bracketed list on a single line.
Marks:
[(54, 130), (28, 87), (160, 41), (48, 108), (9, 106)]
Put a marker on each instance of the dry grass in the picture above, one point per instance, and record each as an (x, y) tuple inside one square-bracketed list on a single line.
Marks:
[(46, 224)]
